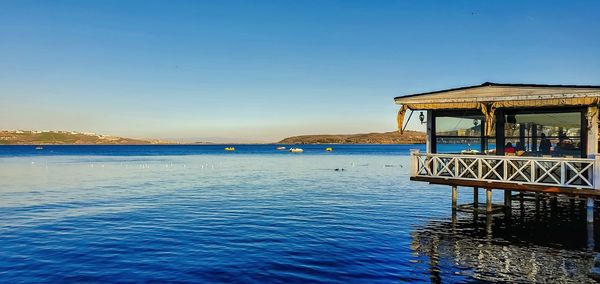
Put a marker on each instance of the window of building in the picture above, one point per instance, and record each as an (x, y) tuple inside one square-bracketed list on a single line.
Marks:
[(459, 132), (557, 134)]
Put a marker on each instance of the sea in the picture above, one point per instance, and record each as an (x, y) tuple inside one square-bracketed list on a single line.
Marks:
[(200, 214)]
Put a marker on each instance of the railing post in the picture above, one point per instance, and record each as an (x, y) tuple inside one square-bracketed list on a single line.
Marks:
[(414, 162), (504, 169), (456, 165), (532, 162), (563, 173), (479, 167)]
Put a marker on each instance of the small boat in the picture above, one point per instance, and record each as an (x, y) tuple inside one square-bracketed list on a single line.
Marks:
[(469, 152), (229, 149), (39, 148), (328, 149), (296, 150), (280, 148)]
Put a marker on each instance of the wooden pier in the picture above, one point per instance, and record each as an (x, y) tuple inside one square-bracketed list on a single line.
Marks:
[(533, 142)]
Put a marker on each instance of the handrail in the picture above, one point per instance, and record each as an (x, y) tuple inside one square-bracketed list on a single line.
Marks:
[(509, 157), (554, 171)]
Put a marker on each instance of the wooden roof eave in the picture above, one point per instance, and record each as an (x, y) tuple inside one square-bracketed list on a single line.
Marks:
[(417, 100)]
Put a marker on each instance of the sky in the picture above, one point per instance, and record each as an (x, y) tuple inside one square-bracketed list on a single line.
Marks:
[(259, 71)]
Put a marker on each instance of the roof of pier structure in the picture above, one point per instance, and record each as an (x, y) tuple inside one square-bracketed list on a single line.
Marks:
[(502, 95), (488, 97)]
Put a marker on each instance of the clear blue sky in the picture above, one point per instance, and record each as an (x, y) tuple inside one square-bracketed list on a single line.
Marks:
[(264, 70)]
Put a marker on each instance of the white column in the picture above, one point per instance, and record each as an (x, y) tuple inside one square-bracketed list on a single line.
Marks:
[(414, 162)]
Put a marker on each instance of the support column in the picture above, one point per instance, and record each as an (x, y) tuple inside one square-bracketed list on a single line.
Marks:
[(590, 210), (592, 131), (454, 196), (507, 201), (521, 198), (553, 206), (537, 205), (475, 198), (430, 146), (488, 200), (590, 224), (507, 198)]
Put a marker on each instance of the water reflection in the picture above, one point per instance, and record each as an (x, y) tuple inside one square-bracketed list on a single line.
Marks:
[(545, 242)]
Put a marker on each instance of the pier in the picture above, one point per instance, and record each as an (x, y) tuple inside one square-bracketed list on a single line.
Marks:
[(533, 142)]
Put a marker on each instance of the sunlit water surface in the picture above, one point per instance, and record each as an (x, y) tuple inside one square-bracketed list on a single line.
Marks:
[(258, 215)]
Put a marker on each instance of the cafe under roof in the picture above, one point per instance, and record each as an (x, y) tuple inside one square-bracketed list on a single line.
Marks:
[(539, 140), (488, 97)]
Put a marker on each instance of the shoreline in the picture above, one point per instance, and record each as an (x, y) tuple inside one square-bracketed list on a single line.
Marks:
[(210, 144)]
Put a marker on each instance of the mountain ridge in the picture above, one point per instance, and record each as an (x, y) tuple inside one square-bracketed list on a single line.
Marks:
[(393, 137), (35, 137)]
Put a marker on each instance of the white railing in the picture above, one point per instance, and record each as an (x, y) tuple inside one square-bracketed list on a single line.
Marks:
[(564, 172)]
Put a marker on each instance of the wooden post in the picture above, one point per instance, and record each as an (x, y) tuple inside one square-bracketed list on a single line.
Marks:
[(454, 196), (592, 131), (590, 210), (488, 200), (596, 171), (521, 198), (475, 198), (507, 200), (429, 146)]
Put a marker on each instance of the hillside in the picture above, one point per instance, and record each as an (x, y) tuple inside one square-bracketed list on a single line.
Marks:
[(19, 137), (409, 137)]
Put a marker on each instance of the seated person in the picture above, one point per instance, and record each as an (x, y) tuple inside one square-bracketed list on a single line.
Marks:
[(509, 150), (545, 145), (519, 149)]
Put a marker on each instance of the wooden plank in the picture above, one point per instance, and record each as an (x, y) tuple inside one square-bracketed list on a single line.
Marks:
[(511, 186)]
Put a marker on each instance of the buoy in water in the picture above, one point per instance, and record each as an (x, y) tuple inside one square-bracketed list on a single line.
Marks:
[(229, 149), (328, 149)]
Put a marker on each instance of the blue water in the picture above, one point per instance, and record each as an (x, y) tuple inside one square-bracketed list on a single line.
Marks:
[(174, 150), (130, 214)]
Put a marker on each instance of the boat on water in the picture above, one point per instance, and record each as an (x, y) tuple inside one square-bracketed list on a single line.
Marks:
[(39, 148), (328, 149), (280, 148), (296, 150), (230, 149)]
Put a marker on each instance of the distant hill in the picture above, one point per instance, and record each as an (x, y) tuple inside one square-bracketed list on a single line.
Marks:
[(408, 137), (20, 137)]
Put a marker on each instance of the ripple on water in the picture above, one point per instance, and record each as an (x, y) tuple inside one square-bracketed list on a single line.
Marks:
[(275, 218)]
